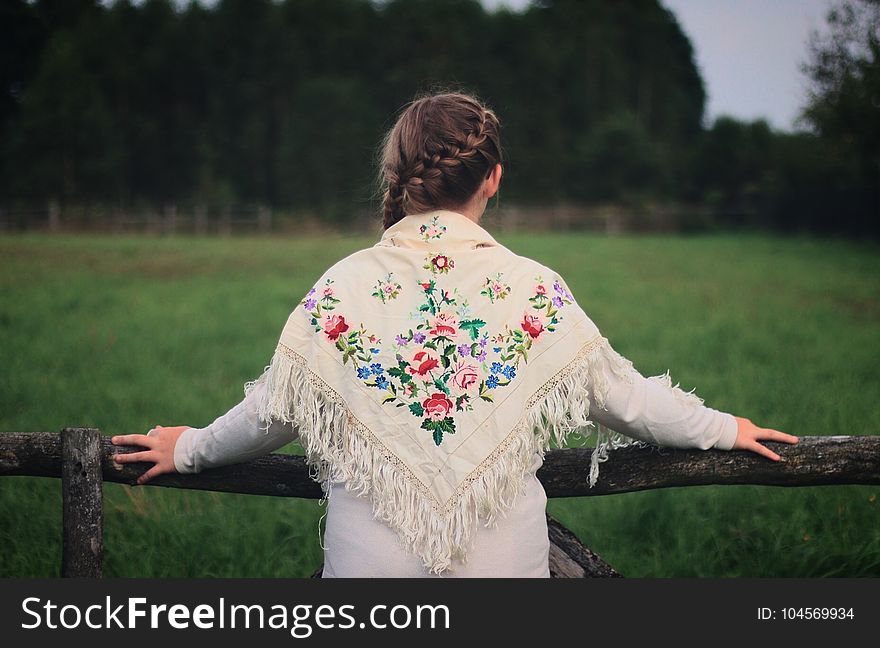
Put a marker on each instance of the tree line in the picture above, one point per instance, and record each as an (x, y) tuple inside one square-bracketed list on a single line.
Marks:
[(283, 103)]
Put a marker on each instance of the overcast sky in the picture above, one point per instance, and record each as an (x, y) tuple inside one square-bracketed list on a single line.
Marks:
[(748, 52)]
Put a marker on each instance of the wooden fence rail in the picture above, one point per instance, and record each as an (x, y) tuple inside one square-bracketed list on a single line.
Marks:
[(83, 459)]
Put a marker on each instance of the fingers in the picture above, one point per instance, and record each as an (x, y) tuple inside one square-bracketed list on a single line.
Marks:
[(768, 434), (765, 451), (147, 476), (144, 455), (776, 435), (134, 439)]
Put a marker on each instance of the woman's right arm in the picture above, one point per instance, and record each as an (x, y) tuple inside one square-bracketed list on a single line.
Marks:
[(653, 410), (234, 437)]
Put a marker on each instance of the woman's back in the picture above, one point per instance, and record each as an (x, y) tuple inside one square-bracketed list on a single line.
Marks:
[(426, 373), (357, 545), (425, 376)]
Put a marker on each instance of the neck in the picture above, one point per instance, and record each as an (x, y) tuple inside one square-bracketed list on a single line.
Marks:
[(473, 210)]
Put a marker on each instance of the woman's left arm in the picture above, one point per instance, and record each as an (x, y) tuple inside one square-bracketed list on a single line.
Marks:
[(653, 410), (234, 437)]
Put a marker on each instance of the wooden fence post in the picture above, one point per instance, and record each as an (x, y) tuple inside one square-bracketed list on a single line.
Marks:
[(82, 549), (226, 220), (54, 216), (201, 220), (171, 219), (264, 219)]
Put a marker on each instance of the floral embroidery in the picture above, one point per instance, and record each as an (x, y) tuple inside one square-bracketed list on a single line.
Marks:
[(432, 230), (514, 344), (386, 289), (438, 263), (325, 301), (494, 288), (441, 365)]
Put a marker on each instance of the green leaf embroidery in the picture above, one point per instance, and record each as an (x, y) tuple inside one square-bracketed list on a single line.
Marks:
[(472, 326)]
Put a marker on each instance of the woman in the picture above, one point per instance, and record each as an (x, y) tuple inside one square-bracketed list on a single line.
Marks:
[(425, 377)]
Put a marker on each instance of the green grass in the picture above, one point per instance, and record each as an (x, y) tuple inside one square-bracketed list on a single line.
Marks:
[(126, 333)]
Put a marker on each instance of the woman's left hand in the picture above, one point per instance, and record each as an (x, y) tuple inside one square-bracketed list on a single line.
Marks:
[(159, 441), (748, 434)]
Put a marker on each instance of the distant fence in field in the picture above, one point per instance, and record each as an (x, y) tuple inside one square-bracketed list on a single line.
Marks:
[(170, 220), (83, 459), (233, 219)]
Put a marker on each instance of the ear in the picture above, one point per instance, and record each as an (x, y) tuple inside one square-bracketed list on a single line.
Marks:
[(492, 181)]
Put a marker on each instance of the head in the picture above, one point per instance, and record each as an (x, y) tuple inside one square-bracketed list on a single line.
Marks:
[(444, 152)]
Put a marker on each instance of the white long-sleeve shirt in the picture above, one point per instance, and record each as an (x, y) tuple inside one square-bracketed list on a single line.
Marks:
[(357, 545)]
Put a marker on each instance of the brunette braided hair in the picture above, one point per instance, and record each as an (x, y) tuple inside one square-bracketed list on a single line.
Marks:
[(436, 155)]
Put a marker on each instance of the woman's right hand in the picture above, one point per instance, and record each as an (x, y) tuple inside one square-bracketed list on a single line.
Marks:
[(159, 441), (748, 434)]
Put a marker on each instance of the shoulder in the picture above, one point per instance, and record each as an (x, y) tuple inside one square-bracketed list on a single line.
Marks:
[(546, 274), (353, 265)]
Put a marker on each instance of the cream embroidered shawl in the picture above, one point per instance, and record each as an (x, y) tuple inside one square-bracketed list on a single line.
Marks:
[(425, 372)]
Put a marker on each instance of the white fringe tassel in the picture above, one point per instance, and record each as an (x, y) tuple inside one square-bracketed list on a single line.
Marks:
[(339, 447)]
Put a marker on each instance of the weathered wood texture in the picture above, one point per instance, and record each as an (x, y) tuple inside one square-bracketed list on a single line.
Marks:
[(814, 461), (570, 558), (83, 458), (82, 548)]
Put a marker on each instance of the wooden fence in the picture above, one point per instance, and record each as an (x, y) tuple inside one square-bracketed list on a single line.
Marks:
[(83, 459)]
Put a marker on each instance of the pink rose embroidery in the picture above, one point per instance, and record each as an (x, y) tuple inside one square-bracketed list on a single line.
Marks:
[(444, 324), (465, 375), (532, 325)]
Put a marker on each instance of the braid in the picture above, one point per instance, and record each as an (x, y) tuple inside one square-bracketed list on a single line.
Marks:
[(437, 154), (392, 201)]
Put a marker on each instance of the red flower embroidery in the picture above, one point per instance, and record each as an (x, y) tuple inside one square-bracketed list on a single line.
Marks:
[(440, 261), (444, 324), (532, 325), (437, 406), (422, 362), (334, 325)]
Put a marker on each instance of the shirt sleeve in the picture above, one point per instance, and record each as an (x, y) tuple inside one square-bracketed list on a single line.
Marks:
[(655, 411), (234, 437)]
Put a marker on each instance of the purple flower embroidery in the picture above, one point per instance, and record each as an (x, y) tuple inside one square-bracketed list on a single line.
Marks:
[(557, 301), (481, 356), (310, 303), (419, 337), (464, 350), (401, 341), (562, 291)]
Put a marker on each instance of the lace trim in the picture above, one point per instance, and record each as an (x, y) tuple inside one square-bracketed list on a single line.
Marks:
[(320, 384), (448, 507)]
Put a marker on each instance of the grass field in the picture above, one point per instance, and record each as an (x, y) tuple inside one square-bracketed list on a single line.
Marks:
[(126, 333)]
